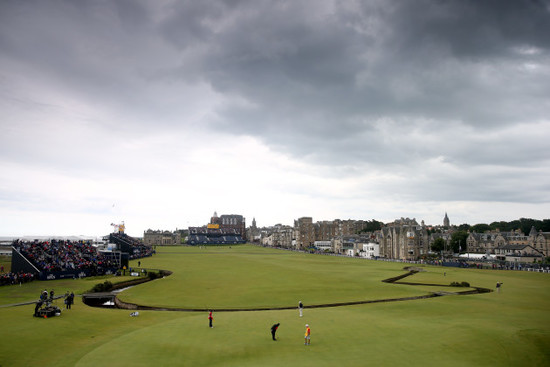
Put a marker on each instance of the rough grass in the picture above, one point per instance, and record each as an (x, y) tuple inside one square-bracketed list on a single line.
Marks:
[(510, 328), (31, 291)]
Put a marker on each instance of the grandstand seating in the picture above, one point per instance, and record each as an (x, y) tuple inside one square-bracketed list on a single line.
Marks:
[(214, 236), (63, 256), (135, 248)]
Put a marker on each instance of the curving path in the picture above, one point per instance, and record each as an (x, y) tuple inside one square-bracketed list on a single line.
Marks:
[(395, 280)]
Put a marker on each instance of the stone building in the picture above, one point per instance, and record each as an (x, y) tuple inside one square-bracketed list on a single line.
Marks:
[(481, 243), (253, 233), (540, 241), (511, 238), (325, 230), (489, 242), (404, 239), (283, 236), (518, 253), (351, 245), (277, 236), (159, 237), (304, 232)]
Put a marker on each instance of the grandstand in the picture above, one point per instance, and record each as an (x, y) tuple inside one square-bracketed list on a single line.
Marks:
[(129, 245), (59, 258), (227, 229), (214, 236), (64, 258)]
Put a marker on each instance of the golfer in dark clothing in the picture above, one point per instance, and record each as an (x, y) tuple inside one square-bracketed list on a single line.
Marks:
[(37, 307), (70, 300), (274, 330)]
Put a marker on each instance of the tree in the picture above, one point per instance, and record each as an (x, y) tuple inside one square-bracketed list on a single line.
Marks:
[(458, 241), (481, 228), (501, 226), (371, 226), (438, 245), (523, 224)]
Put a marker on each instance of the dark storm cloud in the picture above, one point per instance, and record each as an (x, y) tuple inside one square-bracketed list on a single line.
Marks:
[(412, 87), (319, 78)]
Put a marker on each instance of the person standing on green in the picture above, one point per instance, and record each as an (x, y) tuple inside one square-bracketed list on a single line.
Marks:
[(210, 318), (307, 338), (274, 330)]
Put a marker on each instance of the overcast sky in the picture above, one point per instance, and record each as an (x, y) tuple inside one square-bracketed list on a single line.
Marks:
[(158, 113)]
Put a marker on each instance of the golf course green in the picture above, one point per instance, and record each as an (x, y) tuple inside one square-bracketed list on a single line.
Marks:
[(506, 328)]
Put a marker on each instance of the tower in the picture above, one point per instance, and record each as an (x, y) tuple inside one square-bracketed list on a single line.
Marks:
[(446, 222), (215, 219)]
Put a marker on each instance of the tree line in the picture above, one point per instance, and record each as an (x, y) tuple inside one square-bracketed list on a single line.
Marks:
[(523, 224)]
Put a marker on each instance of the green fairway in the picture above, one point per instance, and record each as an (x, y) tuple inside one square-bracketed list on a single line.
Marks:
[(249, 277), (509, 328)]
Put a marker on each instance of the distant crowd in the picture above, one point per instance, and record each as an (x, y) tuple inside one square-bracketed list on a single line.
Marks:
[(140, 250), (62, 255), (15, 278), (67, 256)]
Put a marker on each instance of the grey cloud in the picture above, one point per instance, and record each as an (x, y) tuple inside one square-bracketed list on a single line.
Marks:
[(372, 85), (446, 61), (475, 29)]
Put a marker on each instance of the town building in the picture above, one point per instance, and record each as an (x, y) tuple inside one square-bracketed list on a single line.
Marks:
[(160, 237), (253, 233), (518, 253), (304, 233), (500, 243), (323, 246), (351, 245), (481, 243), (540, 241), (404, 239), (371, 250), (277, 236), (229, 221)]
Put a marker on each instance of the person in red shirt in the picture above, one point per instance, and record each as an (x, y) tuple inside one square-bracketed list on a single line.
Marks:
[(307, 338), (210, 318), (274, 330)]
